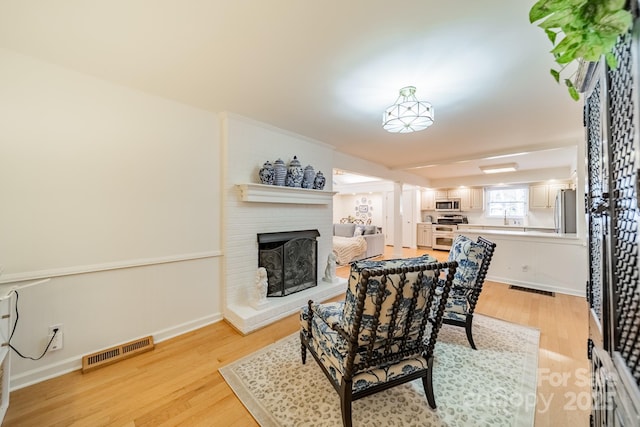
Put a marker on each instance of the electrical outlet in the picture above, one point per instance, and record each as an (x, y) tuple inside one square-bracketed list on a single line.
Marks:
[(57, 342)]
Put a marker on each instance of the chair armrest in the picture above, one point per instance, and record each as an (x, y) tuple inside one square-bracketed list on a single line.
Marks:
[(330, 313)]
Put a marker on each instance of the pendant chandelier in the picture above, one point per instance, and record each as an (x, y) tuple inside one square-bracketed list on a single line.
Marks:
[(407, 114)]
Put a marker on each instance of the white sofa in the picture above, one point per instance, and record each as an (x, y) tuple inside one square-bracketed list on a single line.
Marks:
[(372, 234)]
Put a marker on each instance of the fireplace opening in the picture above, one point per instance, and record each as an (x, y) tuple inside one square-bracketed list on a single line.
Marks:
[(291, 260)]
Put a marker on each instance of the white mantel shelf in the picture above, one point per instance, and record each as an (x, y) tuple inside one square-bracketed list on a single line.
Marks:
[(262, 193)]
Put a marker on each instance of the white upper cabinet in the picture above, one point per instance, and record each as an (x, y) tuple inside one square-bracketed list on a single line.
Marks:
[(471, 199), (543, 196), (465, 199), (441, 194), (455, 193), (428, 200), (476, 199)]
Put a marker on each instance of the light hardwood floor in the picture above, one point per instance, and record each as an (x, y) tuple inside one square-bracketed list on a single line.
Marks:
[(178, 383)]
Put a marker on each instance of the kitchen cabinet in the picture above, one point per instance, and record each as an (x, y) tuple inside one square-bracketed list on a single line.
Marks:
[(553, 192), (425, 235), (428, 200), (465, 200), (470, 198), (441, 194), (476, 199), (455, 193), (543, 196)]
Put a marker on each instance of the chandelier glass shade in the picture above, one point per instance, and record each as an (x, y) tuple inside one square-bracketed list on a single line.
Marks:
[(407, 114)]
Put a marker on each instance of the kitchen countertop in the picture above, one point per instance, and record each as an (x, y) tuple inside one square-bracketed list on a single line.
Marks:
[(498, 227), (508, 227), (570, 238), (518, 232)]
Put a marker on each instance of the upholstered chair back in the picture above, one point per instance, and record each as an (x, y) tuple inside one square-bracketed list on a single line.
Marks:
[(469, 255), (395, 295), (384, 333), (473, 260)]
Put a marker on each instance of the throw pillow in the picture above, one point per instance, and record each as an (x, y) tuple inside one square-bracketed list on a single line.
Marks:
[(359, 231), (370, 229)]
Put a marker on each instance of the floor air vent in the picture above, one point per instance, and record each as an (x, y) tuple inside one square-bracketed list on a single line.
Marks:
[(116, 354), (533, 291)]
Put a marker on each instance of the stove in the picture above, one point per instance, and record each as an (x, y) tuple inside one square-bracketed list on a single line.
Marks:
[(451, 219), (444, 230)]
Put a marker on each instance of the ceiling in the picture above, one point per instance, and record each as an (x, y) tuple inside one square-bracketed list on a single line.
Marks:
[(327, 70)]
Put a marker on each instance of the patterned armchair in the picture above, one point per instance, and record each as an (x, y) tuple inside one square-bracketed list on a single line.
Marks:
[(383, 333), (473, 260)]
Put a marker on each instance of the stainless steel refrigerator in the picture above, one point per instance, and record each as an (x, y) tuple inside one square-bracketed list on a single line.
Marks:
[(565, 211)]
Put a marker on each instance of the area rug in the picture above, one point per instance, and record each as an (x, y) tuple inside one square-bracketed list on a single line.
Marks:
[(494, 385)]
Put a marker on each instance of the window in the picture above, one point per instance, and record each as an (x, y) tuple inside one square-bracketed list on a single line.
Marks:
[(507, 201)]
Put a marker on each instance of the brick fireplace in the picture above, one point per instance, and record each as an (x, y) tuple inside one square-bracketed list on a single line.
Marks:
[(272, 224), (251, 209)]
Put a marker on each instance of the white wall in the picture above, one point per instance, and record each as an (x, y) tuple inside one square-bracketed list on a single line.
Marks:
[(545, 262), (114, 195), (535, 218), (345, 204)]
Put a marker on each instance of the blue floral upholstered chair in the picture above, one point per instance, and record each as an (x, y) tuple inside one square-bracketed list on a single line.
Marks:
[(384, 332), (473, 260)]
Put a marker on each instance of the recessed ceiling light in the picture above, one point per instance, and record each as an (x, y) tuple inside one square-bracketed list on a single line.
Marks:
[(502, 156), (506, 167)]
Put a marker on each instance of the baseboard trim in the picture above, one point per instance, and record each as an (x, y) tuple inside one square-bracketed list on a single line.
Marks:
[(539, 286), (74, 363)]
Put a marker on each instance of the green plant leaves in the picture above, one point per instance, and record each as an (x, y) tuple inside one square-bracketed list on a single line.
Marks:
[(614, 24), (590, 29), (614, 5), (612, 62), (573, 92), (552, 35), (546, 7), (559, 19)]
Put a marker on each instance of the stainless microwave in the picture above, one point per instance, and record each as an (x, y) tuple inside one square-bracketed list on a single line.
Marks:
[(449, 205)]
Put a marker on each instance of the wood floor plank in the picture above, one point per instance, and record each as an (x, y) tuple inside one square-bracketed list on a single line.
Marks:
[(178, 383)]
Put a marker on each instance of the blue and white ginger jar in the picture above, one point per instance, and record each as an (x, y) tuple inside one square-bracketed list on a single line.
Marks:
[(295, 173), (319, 181), (308, 177), (280, 172), (267, 173)]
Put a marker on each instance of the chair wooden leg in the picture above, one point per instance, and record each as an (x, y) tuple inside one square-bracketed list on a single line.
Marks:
[(345, 403), (467, 328), (427, 383), (303, 349)]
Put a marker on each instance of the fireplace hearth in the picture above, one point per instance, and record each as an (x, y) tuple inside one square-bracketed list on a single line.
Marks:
[(291, 260)]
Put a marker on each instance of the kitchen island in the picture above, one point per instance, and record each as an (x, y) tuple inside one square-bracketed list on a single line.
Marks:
[(535, 259), (500, 227)]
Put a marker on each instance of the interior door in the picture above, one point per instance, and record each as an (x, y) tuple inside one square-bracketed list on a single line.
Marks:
[(388, 218), (597, 209), (612, 121), (409, 222)]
